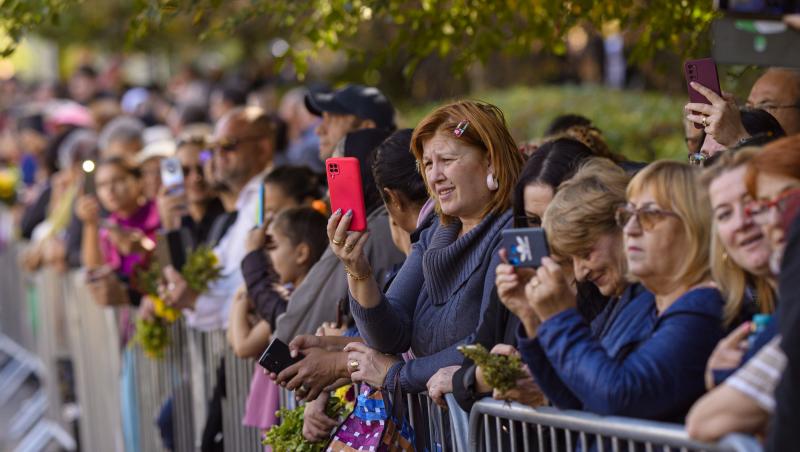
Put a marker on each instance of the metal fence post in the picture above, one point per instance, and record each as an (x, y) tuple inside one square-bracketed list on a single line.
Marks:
[(96, 360), (238, 374)]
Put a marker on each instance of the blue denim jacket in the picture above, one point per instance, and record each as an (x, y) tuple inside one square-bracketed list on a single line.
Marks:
[(640, 364)]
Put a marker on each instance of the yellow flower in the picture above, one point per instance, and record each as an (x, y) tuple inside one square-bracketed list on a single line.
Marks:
[(165, 312), (342, 393)]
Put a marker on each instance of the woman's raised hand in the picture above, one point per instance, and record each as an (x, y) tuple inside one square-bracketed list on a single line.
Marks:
[(510, 282), (549, 292), (348, 246)]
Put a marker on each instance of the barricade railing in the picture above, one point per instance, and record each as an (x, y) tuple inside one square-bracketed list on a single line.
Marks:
[(238, 375), (499, 426), (435, 427), (23, 403), (96, 359), (70, 325), (159, 380)]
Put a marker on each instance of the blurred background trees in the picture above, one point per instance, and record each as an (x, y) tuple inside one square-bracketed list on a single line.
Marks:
[(418, 51)]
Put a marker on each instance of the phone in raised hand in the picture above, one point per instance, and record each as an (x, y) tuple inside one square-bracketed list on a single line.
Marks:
[(346, 190), (525, 247)]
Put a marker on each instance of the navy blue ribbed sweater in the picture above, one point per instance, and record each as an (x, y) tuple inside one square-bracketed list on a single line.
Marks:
[(435, 302)]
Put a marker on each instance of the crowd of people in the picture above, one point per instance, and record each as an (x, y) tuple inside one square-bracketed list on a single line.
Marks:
[(666, 293)]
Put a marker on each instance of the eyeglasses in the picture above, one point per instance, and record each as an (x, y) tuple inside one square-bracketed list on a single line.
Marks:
[(196, 140), (759, 210), (230, 144), (532, 221), (698, 158), (647, 217), (196, 168)]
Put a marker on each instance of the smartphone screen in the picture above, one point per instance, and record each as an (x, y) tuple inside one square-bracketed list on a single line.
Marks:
[(525, 246), (260, 206), (172, 175)]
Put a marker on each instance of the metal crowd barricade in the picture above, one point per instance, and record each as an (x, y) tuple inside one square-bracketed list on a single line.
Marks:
[(15, 319), (181, 383), (159, 380), (498, 426), (206, 350), (23, 403), (51, 335), (238, 374), (94, 340), (287, 399), (437, 428)]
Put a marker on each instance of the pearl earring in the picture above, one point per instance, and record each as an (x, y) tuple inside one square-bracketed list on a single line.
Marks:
[(491, 182)]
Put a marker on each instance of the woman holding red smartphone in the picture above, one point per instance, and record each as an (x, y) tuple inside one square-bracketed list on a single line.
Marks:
[(470, 164)]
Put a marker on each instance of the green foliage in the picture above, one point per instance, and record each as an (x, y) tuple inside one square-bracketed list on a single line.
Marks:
[(640, 125), (288, 436), (18, 17), (501, 371), (152, 336), (462, 31), (201, 267)]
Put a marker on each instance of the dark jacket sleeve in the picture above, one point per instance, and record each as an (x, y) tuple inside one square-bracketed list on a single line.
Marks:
[(658, 380), (543, 372), (260, 278)]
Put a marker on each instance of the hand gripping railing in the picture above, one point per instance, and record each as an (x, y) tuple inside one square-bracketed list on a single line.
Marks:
[(499, 426)]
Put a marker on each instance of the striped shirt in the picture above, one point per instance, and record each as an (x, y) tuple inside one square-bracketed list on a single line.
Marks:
[(758, 378)]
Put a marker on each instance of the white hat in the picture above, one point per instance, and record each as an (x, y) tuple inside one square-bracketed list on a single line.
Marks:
[(157, 149)]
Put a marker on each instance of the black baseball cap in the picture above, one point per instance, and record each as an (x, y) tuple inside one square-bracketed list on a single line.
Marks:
[(365, 102)]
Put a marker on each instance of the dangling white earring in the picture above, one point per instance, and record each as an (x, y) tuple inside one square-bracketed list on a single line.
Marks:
[(491, 182)]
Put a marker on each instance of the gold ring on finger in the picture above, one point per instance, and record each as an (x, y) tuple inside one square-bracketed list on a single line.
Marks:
[(353, 365), (705, 121), (336, 242)]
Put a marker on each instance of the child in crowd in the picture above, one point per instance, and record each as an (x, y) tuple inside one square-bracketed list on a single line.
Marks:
[(296, 239)]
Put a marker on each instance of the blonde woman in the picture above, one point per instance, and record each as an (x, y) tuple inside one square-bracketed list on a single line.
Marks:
[(740, 255)]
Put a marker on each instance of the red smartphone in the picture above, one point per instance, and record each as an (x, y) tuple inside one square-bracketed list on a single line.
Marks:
[(346, 190), (704, 72)]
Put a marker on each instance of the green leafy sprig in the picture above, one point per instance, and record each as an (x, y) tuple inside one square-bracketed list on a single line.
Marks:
[(288, 436), (501, 371), (201, 267)]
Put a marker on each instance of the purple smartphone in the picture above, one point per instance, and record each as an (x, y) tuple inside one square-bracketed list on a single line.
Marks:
[(704, 72)]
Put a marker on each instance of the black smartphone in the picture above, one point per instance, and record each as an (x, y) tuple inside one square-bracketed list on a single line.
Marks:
[(276, 357), (525, 246), (89, 187)]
